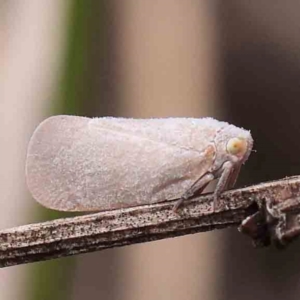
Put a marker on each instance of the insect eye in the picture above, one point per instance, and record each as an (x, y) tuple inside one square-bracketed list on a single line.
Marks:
[(236, 146)]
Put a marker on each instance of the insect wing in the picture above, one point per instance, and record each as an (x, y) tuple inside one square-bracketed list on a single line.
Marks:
[(83, 164)]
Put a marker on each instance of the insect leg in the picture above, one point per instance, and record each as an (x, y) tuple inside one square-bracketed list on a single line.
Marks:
[(227, 170), (197, 187), (233, 177)]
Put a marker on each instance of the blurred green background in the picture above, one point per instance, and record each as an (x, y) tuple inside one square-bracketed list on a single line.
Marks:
[(237, 61)]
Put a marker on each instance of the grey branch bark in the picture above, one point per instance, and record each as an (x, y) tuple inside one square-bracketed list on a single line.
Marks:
[(80, 234)]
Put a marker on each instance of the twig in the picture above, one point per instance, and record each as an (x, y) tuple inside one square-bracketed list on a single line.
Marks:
[(63, 237)]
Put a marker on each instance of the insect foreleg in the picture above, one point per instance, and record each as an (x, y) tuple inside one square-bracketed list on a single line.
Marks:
[(227, 170), (197, 187)]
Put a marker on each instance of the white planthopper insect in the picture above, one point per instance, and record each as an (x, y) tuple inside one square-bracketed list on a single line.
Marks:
[(93, 164)]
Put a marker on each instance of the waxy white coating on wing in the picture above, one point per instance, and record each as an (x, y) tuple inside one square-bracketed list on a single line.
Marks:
[(83, 164)]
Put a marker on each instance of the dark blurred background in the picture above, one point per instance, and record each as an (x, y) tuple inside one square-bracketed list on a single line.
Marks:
[(237, 61)]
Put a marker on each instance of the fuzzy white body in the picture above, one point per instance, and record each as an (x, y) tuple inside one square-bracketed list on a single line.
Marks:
[(83, 164)]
